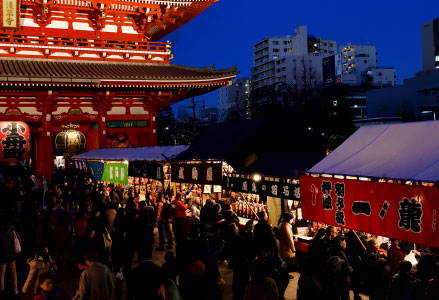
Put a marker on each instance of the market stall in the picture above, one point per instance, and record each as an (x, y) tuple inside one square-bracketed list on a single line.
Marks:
[(199, 178), (383, 180), (256, 148), (250, 195), (146, 169)]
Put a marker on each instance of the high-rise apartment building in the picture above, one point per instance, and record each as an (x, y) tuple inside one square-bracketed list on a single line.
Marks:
[(234, 99), (359, 67), (269, 54), (430, 45)]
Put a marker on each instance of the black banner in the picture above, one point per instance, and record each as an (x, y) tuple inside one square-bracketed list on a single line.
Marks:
[(202, 173), (81, 165), (263, 188), (145, 169)]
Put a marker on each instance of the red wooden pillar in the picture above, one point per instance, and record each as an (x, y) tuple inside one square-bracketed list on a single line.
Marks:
[(154, 137), (153, 121), (103, 100), (47, 136)]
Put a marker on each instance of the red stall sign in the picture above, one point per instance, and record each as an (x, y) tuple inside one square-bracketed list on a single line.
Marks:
[(14, 141), (404, 212)]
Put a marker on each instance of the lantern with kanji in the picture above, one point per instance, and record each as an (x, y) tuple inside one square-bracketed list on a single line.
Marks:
[(14, 141), (70, 141)]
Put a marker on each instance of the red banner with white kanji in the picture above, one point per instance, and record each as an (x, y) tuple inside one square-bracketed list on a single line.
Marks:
[(397, 211)]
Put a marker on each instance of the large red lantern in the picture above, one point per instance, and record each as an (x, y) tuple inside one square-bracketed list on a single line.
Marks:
[(14, 141)]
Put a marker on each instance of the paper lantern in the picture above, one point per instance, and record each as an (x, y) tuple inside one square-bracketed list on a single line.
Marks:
[(70, 141), (14, 143)]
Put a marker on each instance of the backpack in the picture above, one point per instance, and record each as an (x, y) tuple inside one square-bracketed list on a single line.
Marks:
[(166, 211), (17, 246)]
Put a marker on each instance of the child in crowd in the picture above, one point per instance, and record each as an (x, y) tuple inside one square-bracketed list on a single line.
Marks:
[(40, 263), (48, 290)]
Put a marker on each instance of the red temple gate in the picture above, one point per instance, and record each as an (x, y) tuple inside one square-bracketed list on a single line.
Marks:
[(96, 65)]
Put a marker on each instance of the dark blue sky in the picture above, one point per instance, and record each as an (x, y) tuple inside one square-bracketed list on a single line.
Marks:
[(224, 34)]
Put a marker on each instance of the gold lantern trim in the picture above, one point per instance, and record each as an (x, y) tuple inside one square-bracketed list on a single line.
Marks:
[(70, 141)]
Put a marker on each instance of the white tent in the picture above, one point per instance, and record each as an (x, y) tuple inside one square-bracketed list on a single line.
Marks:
[(408, 151)]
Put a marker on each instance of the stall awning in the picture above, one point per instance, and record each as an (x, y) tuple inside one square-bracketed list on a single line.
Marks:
[(158, 153), (407, 151), (270, 147), (407, 212)]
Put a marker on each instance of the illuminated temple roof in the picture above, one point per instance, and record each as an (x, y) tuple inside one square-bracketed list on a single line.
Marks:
[(111, 73)]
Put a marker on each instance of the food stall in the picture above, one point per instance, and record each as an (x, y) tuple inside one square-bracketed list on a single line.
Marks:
[(383, 180)]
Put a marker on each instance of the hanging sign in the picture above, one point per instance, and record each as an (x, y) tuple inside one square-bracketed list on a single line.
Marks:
[(144, 169), (115, 173), (397, 211), (96, 169), (10, 14), (14, 143), (81, 165), (203, 173), (263, 188)]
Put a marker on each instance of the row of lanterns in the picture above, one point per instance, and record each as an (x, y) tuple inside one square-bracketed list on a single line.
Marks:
[(15, 139)]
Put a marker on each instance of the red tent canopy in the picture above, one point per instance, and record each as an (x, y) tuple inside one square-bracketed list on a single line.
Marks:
[(396, 210)]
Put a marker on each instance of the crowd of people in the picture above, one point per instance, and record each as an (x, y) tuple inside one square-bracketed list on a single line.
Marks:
[(340, 261), (105, 236)]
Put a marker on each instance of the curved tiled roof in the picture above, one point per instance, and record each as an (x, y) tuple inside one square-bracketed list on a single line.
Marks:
[(188, 13), (24, 70)]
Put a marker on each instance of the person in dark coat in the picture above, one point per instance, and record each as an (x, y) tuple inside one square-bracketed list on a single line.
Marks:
[(374, 271), (82, 245), (238, 262), (432, 286), (402, 287), (346, 269), (146, 278), (264, 238), (8, 257), (170, 267)]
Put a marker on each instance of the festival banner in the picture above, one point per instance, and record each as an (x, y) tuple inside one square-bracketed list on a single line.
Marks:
[(404, 212), (203, 173), (115, 173), (267, 188), (96, 169), (81, 165), (146, 169)]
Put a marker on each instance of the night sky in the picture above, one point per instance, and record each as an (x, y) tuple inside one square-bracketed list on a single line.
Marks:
[(224, 34)]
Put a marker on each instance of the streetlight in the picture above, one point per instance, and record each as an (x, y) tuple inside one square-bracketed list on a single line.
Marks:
[(429, 112), (257, 177)]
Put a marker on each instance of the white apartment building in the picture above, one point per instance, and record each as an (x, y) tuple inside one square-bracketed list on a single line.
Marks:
[(381, 76), (264, 54), (299, 71), (233, 98), (269, 51), (359, 67), (430, 45)]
